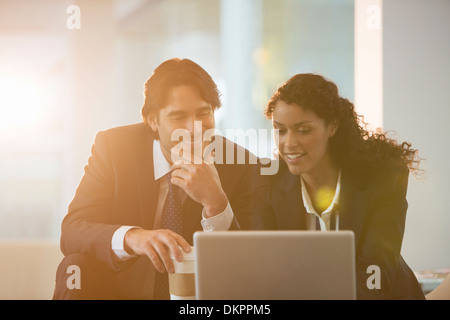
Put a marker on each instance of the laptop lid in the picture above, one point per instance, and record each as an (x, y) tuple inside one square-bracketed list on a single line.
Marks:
[(274, 265)]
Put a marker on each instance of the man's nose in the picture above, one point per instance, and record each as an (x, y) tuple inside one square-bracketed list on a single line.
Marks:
[(194, 127)]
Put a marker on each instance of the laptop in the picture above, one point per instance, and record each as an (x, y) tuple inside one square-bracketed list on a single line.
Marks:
[(275, 265)]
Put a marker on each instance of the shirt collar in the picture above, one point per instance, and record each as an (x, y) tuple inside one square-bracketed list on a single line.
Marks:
[(307, 200), (160, 164)]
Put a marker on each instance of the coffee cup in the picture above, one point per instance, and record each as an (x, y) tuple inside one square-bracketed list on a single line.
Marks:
[(182, 281)]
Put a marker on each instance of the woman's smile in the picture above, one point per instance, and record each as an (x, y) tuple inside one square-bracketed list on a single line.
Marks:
[(294, 157)]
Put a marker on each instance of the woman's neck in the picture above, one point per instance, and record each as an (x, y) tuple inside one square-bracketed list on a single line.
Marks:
[(321, 186), (324, 176)]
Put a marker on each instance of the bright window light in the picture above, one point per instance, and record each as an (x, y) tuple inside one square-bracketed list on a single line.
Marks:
[(20, 103)]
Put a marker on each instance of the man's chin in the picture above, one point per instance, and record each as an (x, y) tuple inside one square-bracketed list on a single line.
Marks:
[(188, 153)]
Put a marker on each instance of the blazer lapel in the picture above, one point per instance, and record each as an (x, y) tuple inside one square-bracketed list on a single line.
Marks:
[(148, 187), (288, 204), (353, 203), (192, 217)]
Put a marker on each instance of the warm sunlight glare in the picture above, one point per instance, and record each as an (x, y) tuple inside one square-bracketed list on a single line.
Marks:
[(20, 103)]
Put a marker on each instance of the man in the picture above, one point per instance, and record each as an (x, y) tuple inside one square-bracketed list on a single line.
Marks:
[(137, 203)]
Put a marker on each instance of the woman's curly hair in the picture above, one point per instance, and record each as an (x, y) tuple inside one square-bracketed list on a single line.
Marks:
[(352, 145)]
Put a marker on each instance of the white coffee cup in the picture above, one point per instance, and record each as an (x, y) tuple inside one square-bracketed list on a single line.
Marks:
[(182, 282)]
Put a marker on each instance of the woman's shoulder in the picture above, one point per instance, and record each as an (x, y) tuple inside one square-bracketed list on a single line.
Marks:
[(391, 170), (384, 180)]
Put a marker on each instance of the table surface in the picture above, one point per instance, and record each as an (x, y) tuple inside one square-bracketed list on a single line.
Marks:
[(430, 279)]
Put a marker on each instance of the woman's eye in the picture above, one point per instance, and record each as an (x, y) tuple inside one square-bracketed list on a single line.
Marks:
[(304, 131)]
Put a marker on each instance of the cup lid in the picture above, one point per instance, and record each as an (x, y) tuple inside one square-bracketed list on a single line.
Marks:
[(186, 255)]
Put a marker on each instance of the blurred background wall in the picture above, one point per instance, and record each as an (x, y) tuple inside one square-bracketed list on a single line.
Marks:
[(416, 105), (59, 86)]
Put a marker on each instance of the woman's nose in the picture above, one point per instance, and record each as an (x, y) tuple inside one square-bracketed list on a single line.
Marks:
[(290, 140)]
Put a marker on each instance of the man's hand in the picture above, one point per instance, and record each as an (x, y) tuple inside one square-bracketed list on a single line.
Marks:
[(157, 245), (201, 182)]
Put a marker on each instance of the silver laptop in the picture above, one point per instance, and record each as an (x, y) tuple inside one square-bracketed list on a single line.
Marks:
[(274, 265)]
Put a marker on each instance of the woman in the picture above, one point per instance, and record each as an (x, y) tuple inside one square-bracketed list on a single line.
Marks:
[(336, 175)]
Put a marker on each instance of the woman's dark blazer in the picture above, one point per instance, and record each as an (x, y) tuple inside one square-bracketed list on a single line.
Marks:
[(372, 204)]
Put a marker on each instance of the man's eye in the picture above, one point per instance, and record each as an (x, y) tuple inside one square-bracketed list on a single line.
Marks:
[(203, 114), (177, 117)]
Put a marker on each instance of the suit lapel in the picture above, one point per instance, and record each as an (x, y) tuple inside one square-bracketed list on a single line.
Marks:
[(148, 187), (192, 217), (288, 204), (353, 203)]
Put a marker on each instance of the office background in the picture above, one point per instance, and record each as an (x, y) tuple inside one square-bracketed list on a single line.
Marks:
[(59, 86)]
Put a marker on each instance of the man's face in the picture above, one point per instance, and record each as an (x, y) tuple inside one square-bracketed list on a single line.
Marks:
[(184, 106)]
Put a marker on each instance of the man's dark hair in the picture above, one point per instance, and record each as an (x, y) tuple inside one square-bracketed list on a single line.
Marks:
[(177, 72)]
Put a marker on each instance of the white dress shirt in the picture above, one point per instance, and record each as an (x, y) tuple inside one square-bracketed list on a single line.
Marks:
[(325, 217), (220, 222)]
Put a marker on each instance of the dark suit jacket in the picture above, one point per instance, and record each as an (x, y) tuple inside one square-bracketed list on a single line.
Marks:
[(119, 188), (373, 205)]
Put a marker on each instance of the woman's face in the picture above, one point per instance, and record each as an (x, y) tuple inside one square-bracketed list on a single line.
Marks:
[(303, 138)]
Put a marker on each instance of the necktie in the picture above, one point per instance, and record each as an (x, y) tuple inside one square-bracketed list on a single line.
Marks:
[(171, 219)]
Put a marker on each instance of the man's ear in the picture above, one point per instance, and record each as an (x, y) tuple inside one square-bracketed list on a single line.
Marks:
[(152, 120)]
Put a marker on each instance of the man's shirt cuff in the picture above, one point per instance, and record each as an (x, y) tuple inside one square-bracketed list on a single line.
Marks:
[(117, 243), (220, 222)]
